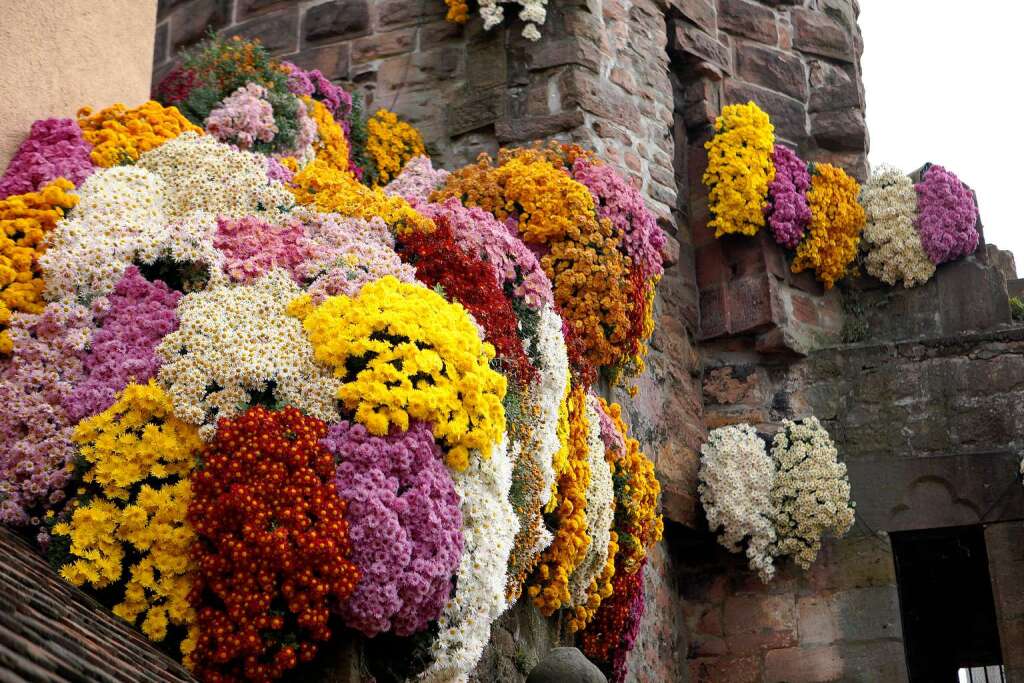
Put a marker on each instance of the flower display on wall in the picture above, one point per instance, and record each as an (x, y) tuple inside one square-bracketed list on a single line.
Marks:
[(837, 219), (533, 14), (810, 493), (821, 213), (893, 245), (777, 503), (947, 215), (267, 370), (739, 169), (736, 476)]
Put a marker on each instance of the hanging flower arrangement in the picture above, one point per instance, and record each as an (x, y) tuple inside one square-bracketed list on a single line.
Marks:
[(259, 384)]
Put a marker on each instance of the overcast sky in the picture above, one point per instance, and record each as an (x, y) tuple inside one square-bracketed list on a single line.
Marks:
[(942, 85)]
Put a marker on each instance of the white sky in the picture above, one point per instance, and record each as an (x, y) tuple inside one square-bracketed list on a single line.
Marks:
[(942, 85)]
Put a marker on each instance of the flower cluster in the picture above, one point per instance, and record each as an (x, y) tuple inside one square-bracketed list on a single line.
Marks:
[(390, 144), (273, 546), (201, 174), (35, 431), (236, 344), (837, 219), (778, 503), (404, 523), (811, 493), (417, 180), (740, 169), (26, 220), (131, 322), (550, 586), (120, 215), (893, 245), (243, 118), (638, 525), (557, 215), (332, 190), (516, 267), (788, 212), (403, 353), (53, 149), (249, 393), (590, 581), (947, 215), (533, 13), (468, 280), (489, 527), (317, 86), (609, 638), (119, 135), (252, 247), (132, 531), (736, 476)]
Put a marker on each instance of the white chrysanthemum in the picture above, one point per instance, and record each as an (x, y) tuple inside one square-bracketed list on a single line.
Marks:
[(893, 245), (546, 395), (202, 174), (120, 216), (237, 339), (533, 13), (489, 527), (736, 476), (600, 510), (811, 492)]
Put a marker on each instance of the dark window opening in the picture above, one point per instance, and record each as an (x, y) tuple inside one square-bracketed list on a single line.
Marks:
[(949, 616)]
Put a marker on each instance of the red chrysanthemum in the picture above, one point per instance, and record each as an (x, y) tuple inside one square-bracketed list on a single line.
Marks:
[(470, 281), (272, 549)]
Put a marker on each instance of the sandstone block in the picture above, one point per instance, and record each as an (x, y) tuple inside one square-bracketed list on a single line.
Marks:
[(337, 20), (779, 71), (749, 20)]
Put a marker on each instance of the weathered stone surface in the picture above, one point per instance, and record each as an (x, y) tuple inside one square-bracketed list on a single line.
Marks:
[(691, 43), (700, 12), (160, 44), (774, 69), (192, 19), (844, 129), (336, 20), (400, 13), (245, 9), (383, 45), (832, 88), (819, 34), (331, 60), (278, 32), (803, 664), (473, 111), (749, 20), (566, 665)]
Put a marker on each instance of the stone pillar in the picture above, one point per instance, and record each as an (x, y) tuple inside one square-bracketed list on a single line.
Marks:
[(59, 56), (1005, 544)]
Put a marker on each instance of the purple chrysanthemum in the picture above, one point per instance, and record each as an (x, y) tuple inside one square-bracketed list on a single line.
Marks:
[(53, 149), (405, 526), (132, 319), (788, 213), (947, 216)]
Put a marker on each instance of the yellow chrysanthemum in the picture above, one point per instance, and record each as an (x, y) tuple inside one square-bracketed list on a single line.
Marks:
[(390, 144), (118, 134), (739, 169), (837, 219), (549, 587), (25, 221), (139, 458), (404, 353)]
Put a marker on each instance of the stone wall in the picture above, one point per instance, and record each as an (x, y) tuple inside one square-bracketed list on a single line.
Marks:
[(840, 621)]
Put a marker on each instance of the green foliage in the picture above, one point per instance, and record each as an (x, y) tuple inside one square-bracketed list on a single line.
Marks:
[(219, 66), (1017, 308), (357, 139)]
